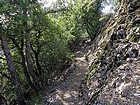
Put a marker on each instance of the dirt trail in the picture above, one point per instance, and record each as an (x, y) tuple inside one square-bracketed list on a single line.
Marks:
[(67, 90)]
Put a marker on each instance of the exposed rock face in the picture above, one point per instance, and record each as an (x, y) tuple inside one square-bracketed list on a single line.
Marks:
[(114, 77), (133, 6)]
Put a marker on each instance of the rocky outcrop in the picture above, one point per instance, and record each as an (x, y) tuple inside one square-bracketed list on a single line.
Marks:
[(114, 76)]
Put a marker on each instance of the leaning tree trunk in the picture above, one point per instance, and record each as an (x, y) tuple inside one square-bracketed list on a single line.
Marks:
[(39, 68), (29, 65), (27, 75), (12, 70)]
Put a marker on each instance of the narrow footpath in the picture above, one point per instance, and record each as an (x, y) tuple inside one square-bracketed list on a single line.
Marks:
[(67, 90)]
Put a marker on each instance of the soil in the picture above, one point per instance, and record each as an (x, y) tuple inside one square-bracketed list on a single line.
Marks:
[(67, 90)]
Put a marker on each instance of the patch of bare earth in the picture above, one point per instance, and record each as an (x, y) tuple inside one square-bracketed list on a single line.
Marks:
[(67, 90)]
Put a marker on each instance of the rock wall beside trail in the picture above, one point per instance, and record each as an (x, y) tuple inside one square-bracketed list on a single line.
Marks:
[(114, 76)]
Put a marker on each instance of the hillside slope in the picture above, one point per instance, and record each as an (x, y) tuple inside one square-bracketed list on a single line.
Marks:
[(114, 76)]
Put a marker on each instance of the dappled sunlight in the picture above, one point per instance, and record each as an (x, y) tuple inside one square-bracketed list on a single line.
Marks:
[(67, 91)]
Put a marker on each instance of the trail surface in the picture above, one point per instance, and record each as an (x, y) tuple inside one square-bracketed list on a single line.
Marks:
[(67, 90)]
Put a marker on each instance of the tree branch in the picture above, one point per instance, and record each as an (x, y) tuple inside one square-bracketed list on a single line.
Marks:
[(57, 10), (14, 61)]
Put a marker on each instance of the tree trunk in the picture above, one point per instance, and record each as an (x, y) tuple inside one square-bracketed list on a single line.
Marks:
[(27, 50), (39, 68), (12, 70), (27, 75), (29, 65), (36, 54)]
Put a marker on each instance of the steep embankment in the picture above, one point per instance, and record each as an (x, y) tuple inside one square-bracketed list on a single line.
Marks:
[(114, 76)]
